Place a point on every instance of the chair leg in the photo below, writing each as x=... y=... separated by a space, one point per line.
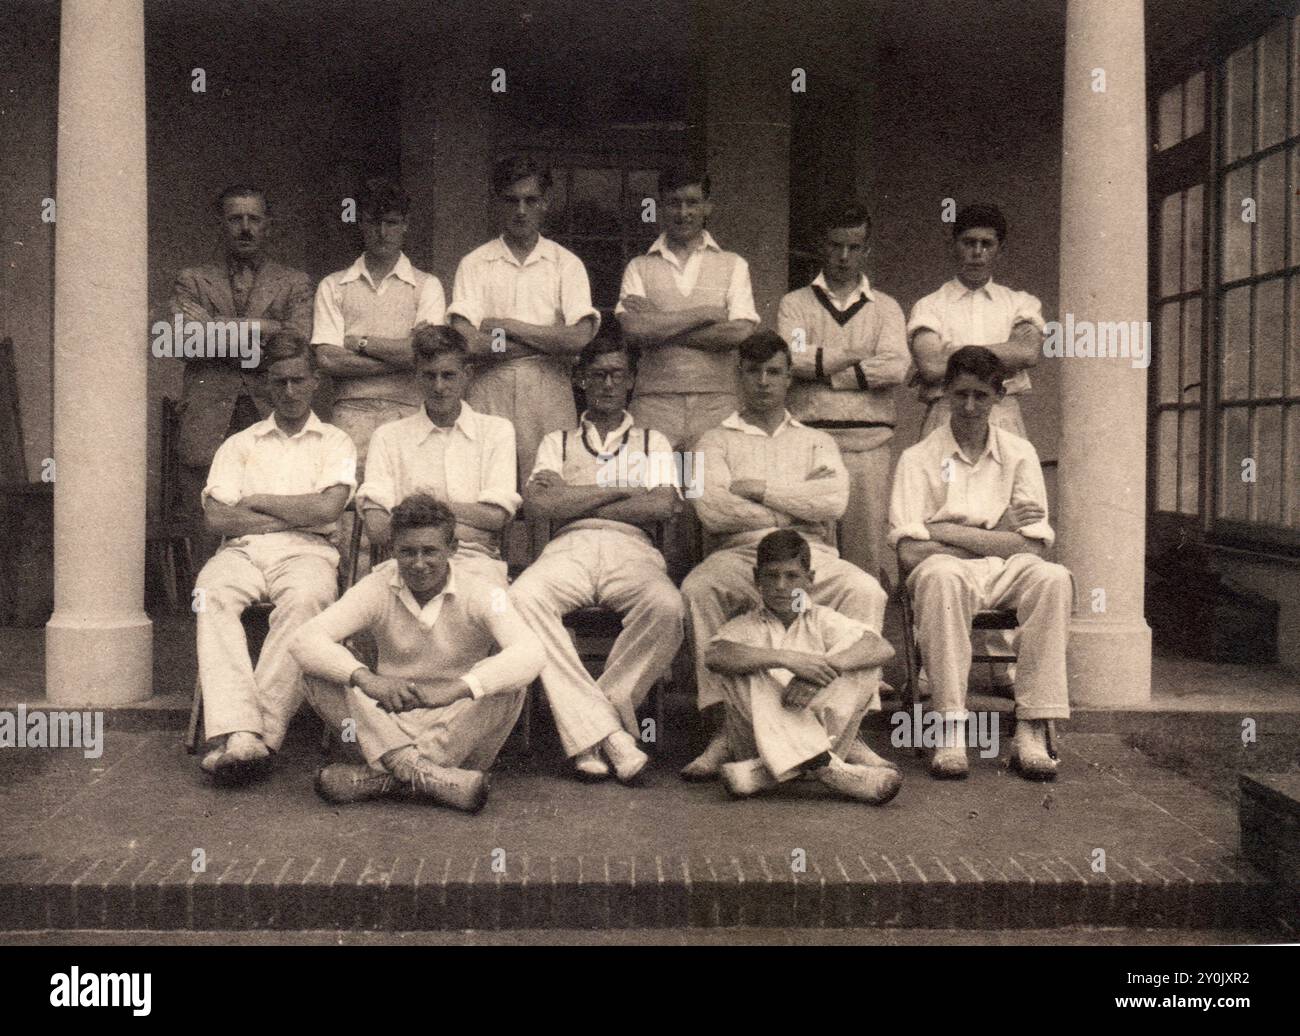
x=527 y=719
x=660 y=691
x=196 y=717
x=911 y=659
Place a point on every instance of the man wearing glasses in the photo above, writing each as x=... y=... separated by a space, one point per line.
x=601 y=485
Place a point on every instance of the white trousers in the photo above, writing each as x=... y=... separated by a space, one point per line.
x=784 y=738
x=864 y=527
x=467 y=733
x=946 y=594
x=722 y=586
x=616 y=570
x=300 y=580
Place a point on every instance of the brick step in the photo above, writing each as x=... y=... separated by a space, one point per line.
x=436 y=893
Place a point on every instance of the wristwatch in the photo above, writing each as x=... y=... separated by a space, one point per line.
x=361 y=345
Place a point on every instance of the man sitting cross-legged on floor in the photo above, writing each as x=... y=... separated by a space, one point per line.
x=275 y=492
x=441 y=705
x=798 y=678
x=448 y=450
x=602 y=482
x=969 y=517
x=762 y=470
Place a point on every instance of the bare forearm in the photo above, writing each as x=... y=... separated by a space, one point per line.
x=565 y=503
x=556 y=340
x=225 y=520
x=985 y=543
x=871 y=651
x=639 y=509
x=717 y=338
x=378 y=524
x=339 y=362
x=396 y=352
x=486 y=517
x=649 y=329
x=912 y=552
x=738 y=659
x=296 y=510
x=1021 y=350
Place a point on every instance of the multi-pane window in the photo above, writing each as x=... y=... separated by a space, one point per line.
x=597 y=214
x=1257 y=352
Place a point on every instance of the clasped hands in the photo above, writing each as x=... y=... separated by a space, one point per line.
x=398 y=694
x=811 y=674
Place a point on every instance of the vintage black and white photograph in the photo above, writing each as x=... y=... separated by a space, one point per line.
x=784 y=473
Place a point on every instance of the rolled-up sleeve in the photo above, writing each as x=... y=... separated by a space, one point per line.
x=498 y=470
x=925 y=317
x=521 y=658
x=467 y=290
x=1028 y=310
x=740 y=294
x=225 y=482
x=327 y=317
x=909 y=501
x=431 y=306
x=380 y=487
x=575 y=292
x=338 y=462
x=633 y=284
x=1029 y=487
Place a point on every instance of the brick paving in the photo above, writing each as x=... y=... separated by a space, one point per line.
x=110 y=843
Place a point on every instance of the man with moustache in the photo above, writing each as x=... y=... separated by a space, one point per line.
x=220 y=396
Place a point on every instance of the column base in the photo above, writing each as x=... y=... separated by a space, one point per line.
x=104 y=663
x=1109 y=664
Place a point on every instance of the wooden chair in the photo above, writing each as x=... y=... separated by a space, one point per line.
x=256 y=620
x=989 y=619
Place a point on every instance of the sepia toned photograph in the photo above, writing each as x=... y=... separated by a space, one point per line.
x=515 y=473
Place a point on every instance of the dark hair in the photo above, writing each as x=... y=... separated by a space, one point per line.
x=981 y=216
x=843 y=214
x=286 y=344
x=978 y=362
x=683 y=174
x=381 y=196
x=509 y=171
x=419 y=511
x=761 y=346
x=430 y=341
x=240 y=190
x=783 y=545
x=609 y=339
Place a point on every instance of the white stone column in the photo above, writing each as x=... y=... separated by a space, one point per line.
x=1103 y=490
x=98 y=644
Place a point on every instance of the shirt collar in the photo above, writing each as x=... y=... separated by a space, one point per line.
x=992 y=448
x=403 y=271
x=661 y=246
x=428 y=614
x=864 y=286
x=544 y=250
x=735 y=421
x=584 y=424
x=464 y=421
x=959 y=290
x=268 y=426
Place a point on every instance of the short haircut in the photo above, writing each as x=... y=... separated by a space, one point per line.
x=980 y=215
x=429 y=341
x=683 y=174
x=380 y=196
x=761 y=346
x=287 y=344
x=978 y=362
x=509 y=171
x=848 y=214
x=783 y=545
x=609 y=339
x=240 y=190
x=419 y=511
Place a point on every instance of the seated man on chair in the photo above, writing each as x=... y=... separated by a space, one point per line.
x=448 y=450
x=969 y=517
x=798 y=678
x=454 y=660
x=601 y=484
x=275 y=492
x=762 y=470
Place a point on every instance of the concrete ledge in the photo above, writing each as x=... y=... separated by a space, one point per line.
x=1023 y=891
x=1270 y=835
